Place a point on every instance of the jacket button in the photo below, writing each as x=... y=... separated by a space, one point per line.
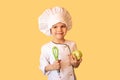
x=70 y=74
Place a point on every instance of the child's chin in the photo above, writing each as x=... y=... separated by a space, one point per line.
x=60 y=37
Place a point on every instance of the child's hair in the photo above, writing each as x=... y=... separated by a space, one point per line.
x=52 y=16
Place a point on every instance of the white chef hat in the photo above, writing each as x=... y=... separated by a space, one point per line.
x=52 y=16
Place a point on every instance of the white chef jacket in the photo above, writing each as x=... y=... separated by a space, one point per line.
x=47 y=57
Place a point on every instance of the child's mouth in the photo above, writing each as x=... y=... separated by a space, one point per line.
x=59 y=33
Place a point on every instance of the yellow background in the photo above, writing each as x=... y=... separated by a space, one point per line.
x=96 y=30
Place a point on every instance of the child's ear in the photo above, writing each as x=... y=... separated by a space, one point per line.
x=50 y=31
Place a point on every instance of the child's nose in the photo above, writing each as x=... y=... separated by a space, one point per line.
x=59 y=29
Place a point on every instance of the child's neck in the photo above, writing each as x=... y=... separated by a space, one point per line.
x=59 y=41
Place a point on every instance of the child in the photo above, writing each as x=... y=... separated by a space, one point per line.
x=56 y=60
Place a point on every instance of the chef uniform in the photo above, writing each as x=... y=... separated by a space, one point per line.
x=47 y=57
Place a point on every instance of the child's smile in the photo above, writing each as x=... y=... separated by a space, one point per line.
x=58 y=31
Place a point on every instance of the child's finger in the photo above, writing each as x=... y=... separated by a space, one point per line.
x=74 y=57
x=59 y=61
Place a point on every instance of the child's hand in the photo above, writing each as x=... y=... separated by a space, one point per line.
x=56 y=65
x=74 y=62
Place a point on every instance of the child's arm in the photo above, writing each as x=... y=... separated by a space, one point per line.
x=74 y=62
x=54 y=66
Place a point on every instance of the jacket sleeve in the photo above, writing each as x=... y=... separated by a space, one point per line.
x=44 y=60
x=74 y=46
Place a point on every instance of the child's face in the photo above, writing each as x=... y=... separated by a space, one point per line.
x=59 y=30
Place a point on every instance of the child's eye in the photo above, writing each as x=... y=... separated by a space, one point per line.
x=63 y=26
x=54 y=27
